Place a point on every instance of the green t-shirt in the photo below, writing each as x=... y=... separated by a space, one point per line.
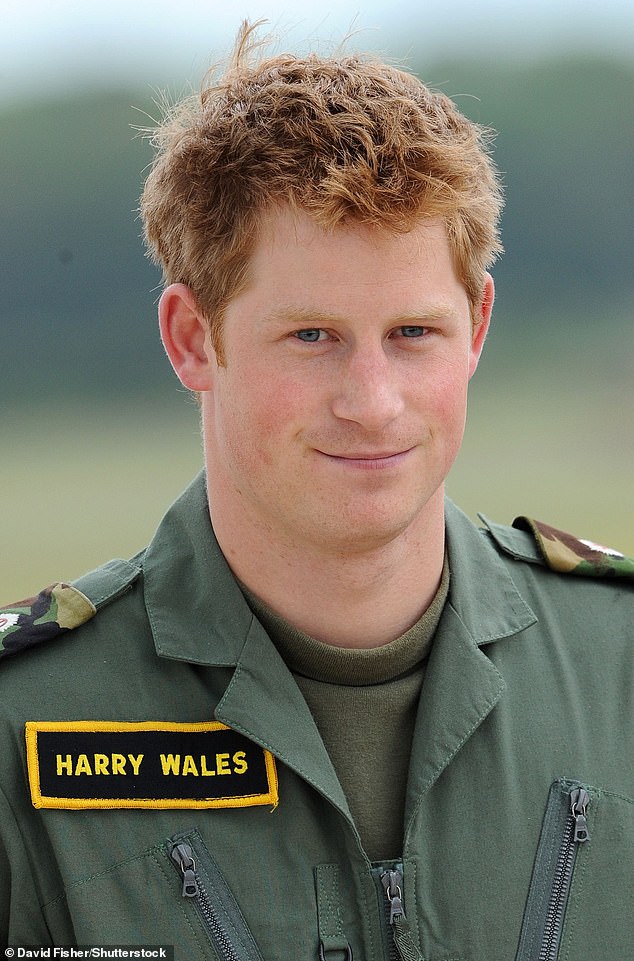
x=364 y=703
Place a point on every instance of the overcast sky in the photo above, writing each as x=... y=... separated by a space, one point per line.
x=49 y=44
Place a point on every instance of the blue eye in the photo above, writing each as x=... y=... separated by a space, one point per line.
x=412 y=331
x=310 y=335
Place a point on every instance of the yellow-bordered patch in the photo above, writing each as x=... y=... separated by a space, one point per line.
x=146 y=764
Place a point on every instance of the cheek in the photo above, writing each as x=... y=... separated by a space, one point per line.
x=258 y=419
x=449 y=395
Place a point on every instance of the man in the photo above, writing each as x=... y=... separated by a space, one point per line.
x=336 y=720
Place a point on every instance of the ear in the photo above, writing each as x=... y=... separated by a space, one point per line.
x=481 y=323
x=185 y=336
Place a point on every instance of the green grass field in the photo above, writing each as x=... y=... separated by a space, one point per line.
x=81 y=485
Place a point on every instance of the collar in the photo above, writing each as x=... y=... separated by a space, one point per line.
x=198 y=612
x=482 y=592
x=196 y=609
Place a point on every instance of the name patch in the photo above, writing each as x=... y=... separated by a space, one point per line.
x=149 y=764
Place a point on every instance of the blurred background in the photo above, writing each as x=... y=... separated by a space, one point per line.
x=97 y=437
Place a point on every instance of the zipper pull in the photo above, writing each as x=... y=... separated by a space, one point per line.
x=579 y=800
x=392 y=881
x=181 y=854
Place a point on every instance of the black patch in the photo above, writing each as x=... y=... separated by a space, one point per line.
x=77 y=764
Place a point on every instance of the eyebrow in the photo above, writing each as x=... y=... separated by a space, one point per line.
x=309 y=318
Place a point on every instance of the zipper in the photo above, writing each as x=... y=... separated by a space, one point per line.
x=564 y=831
x=215 y=904
x=400 y=944
x=575 y=833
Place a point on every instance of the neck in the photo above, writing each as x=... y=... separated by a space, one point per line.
x=360 y=598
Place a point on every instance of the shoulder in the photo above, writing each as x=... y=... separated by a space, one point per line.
x=63 y=607
x=536 y=542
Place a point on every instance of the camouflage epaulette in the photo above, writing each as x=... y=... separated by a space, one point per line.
x=55 y=610
x=538 y=543
x=572 y=555
x=62 y=607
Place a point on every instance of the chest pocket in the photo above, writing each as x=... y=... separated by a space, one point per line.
x=171 y=894
x=580 y=902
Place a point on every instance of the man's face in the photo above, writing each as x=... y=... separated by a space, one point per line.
x=342 y=403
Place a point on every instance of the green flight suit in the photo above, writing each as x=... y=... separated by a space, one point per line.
x=525 y=731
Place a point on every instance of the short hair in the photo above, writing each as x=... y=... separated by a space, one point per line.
x=346 y=139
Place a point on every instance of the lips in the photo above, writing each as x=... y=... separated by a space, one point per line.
x=367 y=455
x=368 y=460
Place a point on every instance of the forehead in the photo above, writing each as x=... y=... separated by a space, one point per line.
x=284 y=231
x=294 y=257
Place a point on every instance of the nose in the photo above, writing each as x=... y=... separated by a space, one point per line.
x=368 y=391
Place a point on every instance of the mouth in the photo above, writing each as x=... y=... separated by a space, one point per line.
x=369 y=460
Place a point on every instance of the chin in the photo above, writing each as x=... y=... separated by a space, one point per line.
x=362 y=535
